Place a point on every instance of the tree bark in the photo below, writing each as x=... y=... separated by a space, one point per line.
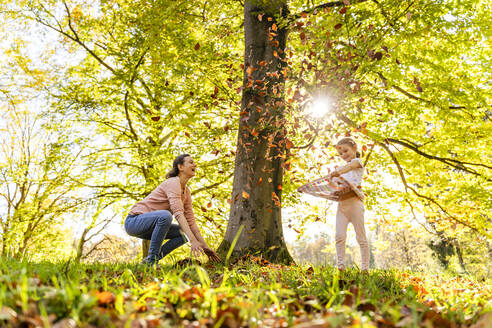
x=261 y=145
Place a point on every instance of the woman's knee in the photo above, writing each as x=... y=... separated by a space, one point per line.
x=164 y=218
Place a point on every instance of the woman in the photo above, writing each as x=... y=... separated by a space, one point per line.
x=152 y=217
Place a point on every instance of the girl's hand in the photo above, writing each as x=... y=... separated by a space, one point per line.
x=334 y=174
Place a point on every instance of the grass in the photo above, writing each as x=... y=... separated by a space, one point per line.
x=250 y=292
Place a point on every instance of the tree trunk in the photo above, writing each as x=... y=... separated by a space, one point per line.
x=80 y=246
x=145 y=248
x=460 y=255
x=261 y=145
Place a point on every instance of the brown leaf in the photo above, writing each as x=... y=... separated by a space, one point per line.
x=197 y=46
x=288 y=144
x=245 y=195
x=104 y=298
x=259 y=181
x=338 y=26
x=366 y=307
x=302 y=35
x=346 y=2
x=260 y=17
x=229 y=317
x=155 y=118
x=343 y=10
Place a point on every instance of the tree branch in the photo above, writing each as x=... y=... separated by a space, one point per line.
x=433 y=201
x=322 y=6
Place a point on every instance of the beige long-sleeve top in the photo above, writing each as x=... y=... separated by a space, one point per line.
x=168 y=196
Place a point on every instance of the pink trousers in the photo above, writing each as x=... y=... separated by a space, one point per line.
x=351 y=210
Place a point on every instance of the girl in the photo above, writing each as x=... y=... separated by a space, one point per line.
x=151 y=218
x=350 y=209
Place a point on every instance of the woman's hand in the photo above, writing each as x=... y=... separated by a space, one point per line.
x=212 y=256
x=196 y=249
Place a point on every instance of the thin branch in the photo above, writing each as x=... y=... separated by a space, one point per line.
x=449 y=161
x=322 y=6
x=213 y=185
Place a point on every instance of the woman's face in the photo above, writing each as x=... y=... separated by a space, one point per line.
x=188 y=167
x=346 y=152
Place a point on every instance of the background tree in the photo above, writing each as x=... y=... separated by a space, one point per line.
x=35 y=186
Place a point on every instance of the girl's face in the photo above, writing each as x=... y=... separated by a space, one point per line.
x=188 y=167
x=346 y=152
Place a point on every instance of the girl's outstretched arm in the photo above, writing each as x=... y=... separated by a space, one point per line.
x=354 y=164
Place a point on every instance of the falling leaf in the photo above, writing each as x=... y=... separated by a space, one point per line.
x=245 y=195
x=155 y=118
x=346 y=2
x=343 y=10
x=409 y=15
x=263 y=63
x=302 y=35
x=250 y=70
x=259 y=181
x=187 y=134
x=288 y=144
x=274 y=27
x=338 y=26
x=209 y=204
x=260 y=17
x=203 y=209
x=197 y=46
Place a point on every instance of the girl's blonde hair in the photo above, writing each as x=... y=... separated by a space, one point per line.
x=350 y=142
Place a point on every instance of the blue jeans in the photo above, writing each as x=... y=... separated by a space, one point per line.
x=156 y=226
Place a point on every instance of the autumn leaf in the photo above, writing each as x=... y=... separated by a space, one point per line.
x=105 y=298
x=343 y=10
x=155 y=118
x=274 y=27
x=346 y=2
x=197 y=46
x=338 y=26
x=259 y=181
x=245 y=195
